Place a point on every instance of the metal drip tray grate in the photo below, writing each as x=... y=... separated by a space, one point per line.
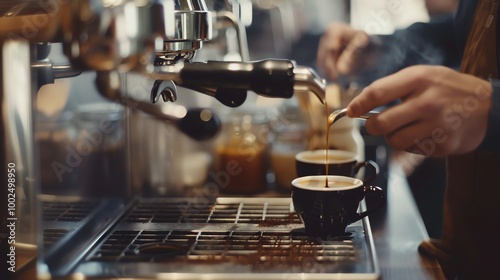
x=243 y=236
x=225 y=210
x=62 y=216
x=52 y=235
x=67 y=211
x=254 y=247
x=72 y=223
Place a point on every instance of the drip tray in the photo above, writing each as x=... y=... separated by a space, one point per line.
x=251 y=237
x=62 y=216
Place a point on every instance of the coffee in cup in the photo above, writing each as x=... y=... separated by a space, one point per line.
x=326 y=211
x=340 y=162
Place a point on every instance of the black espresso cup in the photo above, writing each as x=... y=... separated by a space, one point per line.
x=343 y=163
x=326 y=212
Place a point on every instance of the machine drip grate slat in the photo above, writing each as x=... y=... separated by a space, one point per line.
x=227 y=236
x=263 y=246
x=67 y=211
x=52 y=235
x=220 y=212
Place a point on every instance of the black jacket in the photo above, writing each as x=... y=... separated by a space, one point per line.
x=440 y=41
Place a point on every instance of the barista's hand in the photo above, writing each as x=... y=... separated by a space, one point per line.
x=442 y=112
x=344 y=51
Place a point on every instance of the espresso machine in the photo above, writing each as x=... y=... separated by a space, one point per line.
x=122 y=235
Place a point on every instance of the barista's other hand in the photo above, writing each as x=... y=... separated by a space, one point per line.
x=344 y=51
x=442 y=112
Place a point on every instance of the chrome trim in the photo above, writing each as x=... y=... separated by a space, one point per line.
x=307 y=80
x=340 y=113
x=17 y=149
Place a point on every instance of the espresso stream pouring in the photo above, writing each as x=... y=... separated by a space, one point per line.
x=340 y=113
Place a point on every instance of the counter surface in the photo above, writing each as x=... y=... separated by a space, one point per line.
x=397 y=232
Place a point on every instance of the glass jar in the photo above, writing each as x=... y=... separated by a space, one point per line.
x=289 y=131
x=241 y=154
x=100 y=149
x=56 y=138
x=166 y=161
x=282 y=155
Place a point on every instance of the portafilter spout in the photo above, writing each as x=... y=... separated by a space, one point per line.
x=197 y=123
x=307 y=80
x=192 y=26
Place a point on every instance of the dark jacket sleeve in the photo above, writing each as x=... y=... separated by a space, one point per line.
x=431 y=43
x=491 y=142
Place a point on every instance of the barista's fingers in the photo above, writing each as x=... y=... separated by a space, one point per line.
x=328 y=49
x=415 y=138
x=326 y=59
x=395 y=118
x=381 y=92
x=352 y=56
x=331 y=45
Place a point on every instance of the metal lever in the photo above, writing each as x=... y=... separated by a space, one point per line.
x=229 y=81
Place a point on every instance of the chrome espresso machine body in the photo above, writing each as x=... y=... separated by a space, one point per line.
x=84 y=238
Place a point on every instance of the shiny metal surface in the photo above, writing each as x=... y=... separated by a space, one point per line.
x=307 y=80
x=17 y=154
x=340 y=113
x=47 y=72
x=199 y=124
x=108 y=35
x=225 y=20
x=192 y=26
x=230 y=238
x=166 y=89
x=70 y=226
x=304 y=80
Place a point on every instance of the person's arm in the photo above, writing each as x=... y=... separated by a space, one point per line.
x=491 y=141
x=442 y=111
x=431 y=43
